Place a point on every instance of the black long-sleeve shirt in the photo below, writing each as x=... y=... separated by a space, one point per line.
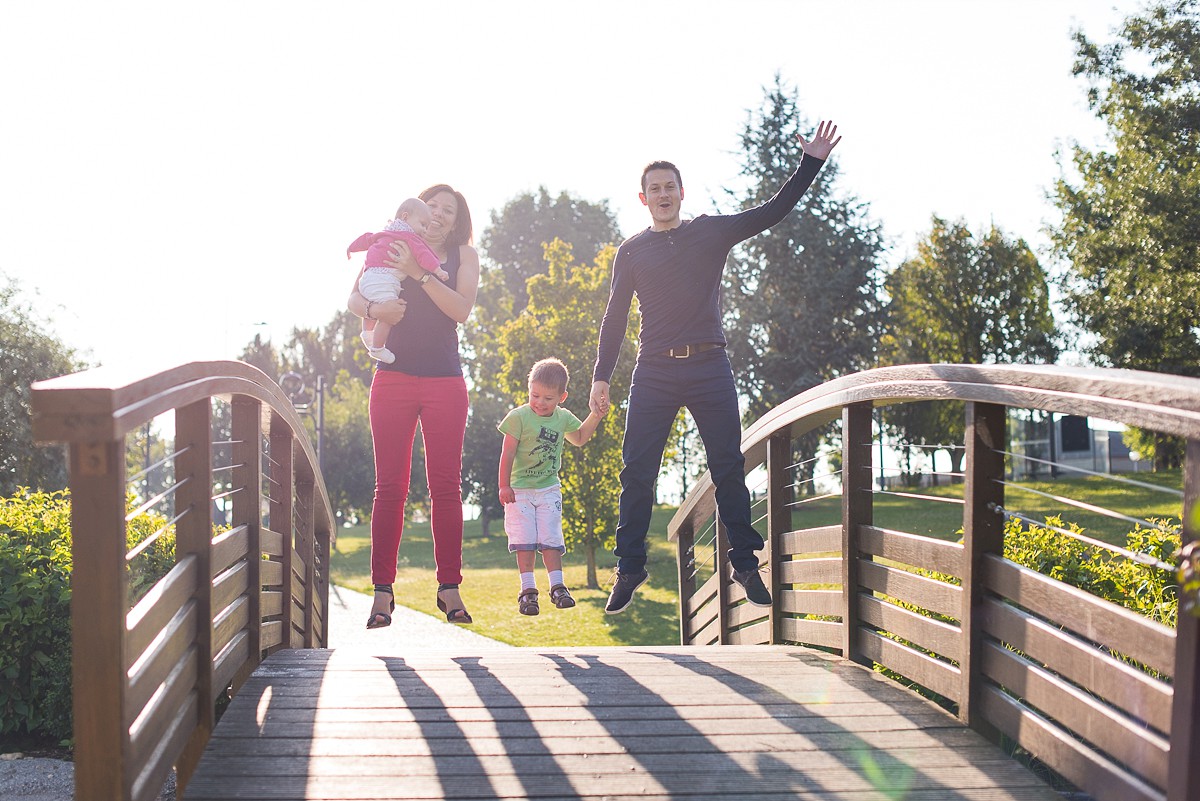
x=676 y=275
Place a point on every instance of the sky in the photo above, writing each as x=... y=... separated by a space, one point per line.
x=175 y=178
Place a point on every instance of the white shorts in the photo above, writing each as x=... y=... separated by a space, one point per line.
x=380 y=284
x=534 y=521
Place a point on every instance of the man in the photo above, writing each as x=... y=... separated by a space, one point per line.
x=674 y=267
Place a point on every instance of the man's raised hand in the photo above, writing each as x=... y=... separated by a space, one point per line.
x=822 y=143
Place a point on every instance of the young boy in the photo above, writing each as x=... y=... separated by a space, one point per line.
x=529 y=487
x=378 y=282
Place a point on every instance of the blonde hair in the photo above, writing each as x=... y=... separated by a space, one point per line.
x=411 y=205
x=550 y=373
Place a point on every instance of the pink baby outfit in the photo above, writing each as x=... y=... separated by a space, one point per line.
x=377 y=246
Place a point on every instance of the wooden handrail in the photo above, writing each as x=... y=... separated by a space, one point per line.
x=146 y=679
x=1013 y=652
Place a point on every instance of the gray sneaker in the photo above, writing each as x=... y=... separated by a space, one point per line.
x=756 y=592
x=622 y=591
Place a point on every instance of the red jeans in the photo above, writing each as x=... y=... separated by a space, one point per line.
x=398 y=401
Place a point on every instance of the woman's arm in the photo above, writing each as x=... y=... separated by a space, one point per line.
x=454 y=303
x=390 y=311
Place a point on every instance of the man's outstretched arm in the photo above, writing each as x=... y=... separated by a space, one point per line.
x=822 y=143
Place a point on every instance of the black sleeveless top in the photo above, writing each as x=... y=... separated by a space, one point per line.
x=426 y=340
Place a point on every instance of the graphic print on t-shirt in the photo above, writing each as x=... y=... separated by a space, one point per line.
x=545 y=449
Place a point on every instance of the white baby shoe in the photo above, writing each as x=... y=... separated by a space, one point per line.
x=381 y=355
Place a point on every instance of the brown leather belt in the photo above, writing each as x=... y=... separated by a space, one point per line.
x=684 y=351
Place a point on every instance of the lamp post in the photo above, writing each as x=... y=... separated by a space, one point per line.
x=293 y=386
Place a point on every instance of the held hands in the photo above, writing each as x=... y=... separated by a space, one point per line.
x=598 y=400
x=822 y=143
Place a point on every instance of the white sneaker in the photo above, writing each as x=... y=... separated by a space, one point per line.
x=381 y=355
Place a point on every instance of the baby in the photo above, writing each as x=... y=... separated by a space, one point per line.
x=379 y=282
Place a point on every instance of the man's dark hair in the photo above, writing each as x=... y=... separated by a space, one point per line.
x=661 y=165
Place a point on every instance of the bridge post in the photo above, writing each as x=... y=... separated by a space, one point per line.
x=983 y=533
x=685 y=544
x=305 y=547
x=103 y=769
x=247 y=511
x=721 y=564
x=1183 y=769
x=857 y=511
x=281 y=511
x=779 y=521
x=193 y=537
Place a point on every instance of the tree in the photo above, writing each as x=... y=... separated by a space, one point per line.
x=1129 y=230
x=516 y=239
x=335 y=353
x=801 y=300
x=514 y=251
x=562 y=319
x=963 y=299
x=28 y=353
x=346 y=453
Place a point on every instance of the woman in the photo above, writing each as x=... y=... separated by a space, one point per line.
x=425 y=383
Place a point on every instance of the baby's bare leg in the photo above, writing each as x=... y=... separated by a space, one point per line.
x=380 y=335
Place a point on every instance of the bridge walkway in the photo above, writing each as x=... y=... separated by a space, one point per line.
x=676 y=722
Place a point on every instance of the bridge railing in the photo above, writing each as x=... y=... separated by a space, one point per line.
x=1106 y=697
x=147 y=676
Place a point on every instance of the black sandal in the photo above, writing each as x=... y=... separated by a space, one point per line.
x=527 y=602
x=561 y=596
x=379 y=620
x=455 y=614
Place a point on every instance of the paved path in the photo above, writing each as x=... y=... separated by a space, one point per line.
x=348 y=612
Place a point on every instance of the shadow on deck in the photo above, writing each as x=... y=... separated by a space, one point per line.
x=614 y=723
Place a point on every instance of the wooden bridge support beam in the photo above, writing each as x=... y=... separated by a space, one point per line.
x=98 y=607
x=1183 y=772
x=779 y=520
x=685 y=561
x=983 y=534
x=857 y=511
x=193 y=537
x=724 y=579
x=281 y=510
x=247 y=511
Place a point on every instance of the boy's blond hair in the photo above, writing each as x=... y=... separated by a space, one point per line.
x=550 y=373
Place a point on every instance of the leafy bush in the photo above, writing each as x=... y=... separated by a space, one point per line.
x=35 y=606
x=1142 y=588
x=35 y=615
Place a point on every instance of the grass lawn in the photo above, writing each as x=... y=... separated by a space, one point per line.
x=943 y=520
x=491 y=583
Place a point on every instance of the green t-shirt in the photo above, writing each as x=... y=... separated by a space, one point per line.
x=539 y=445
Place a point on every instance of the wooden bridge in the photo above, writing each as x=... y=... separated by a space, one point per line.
x=783 y=702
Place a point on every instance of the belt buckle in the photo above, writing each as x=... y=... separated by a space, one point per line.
x=687 y=351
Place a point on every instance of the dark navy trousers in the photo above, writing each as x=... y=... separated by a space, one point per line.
x=661 y=386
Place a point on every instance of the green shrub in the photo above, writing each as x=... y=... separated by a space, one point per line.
x=35 y=615
x=35 y=606
x=1142 y=588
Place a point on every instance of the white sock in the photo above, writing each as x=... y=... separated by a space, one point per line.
x=555 y=578
x=528 y=582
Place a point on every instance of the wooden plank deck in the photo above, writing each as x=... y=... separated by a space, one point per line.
x=746 y=722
